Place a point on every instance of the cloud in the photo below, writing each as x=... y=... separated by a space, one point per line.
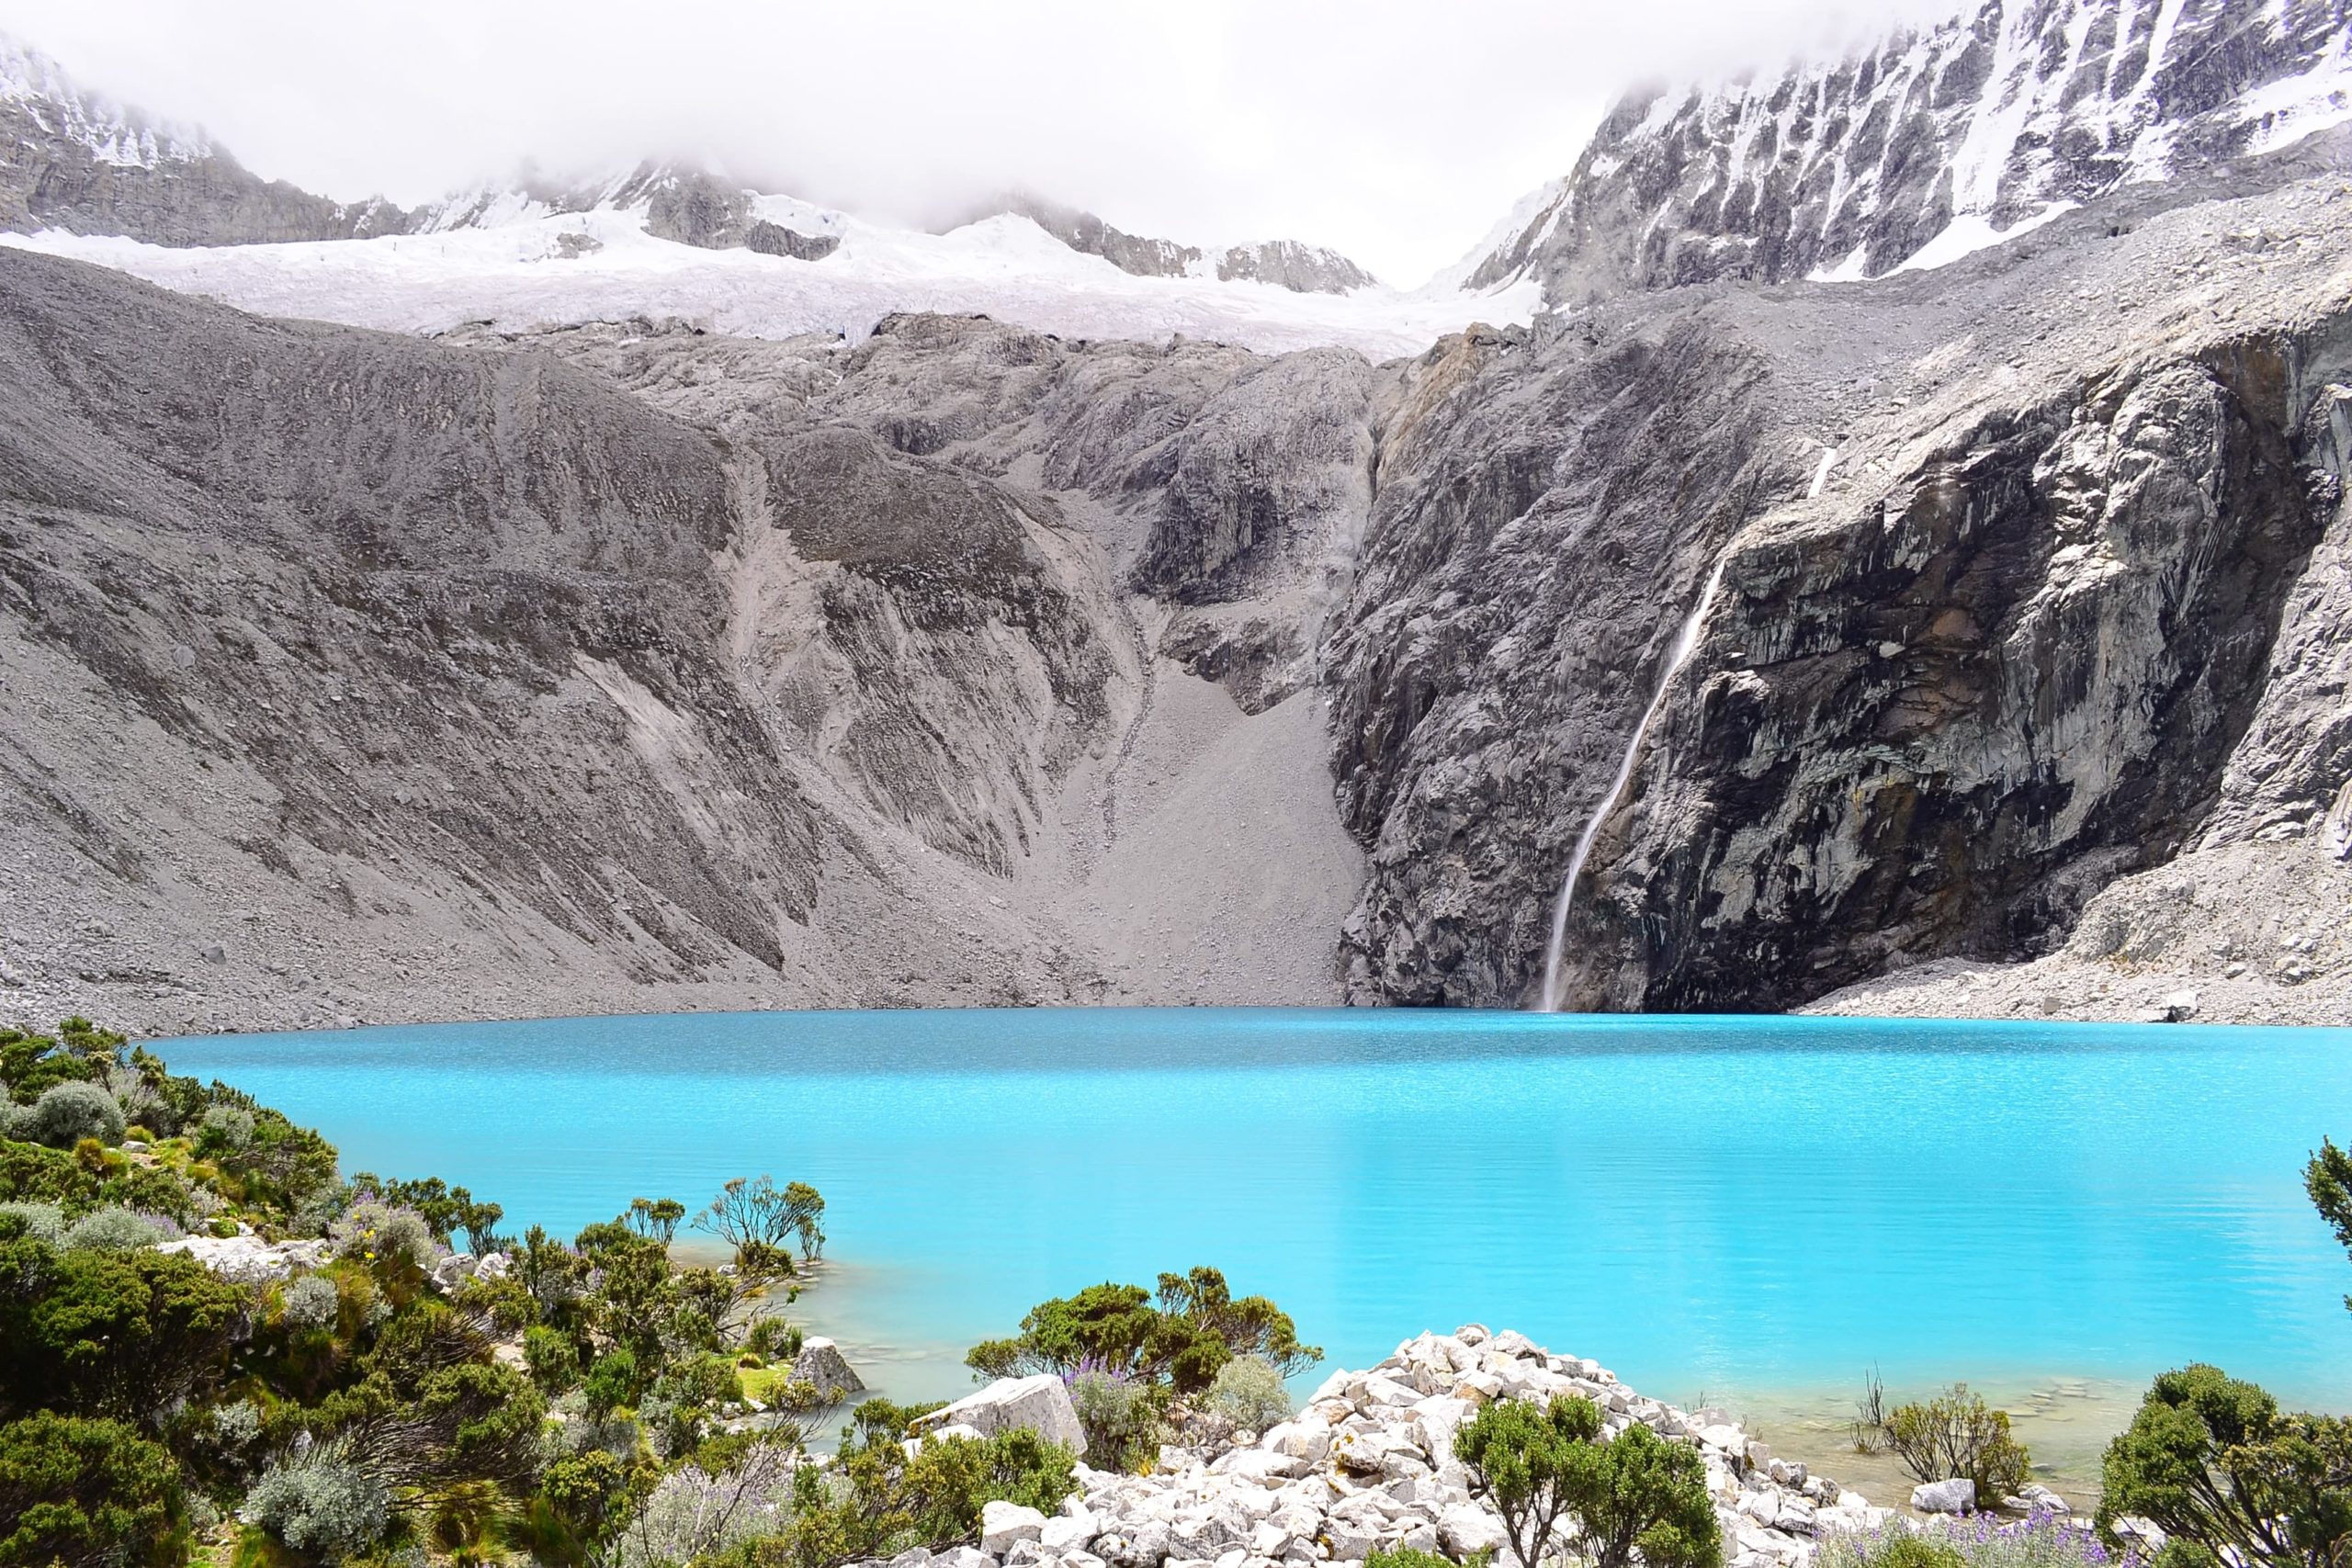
x=1396 y=130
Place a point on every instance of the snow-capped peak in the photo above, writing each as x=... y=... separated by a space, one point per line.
x=1925 y=146
x=42 y=89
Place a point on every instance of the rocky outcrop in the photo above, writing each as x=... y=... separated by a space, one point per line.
x=1041 y=1404
x=1980 y=124
x=1286 y=264
x=73 y=160
x=2021 y=566
x=1368 y=1465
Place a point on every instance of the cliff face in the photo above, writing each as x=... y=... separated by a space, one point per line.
x=1923 y=145
x=2024 y=570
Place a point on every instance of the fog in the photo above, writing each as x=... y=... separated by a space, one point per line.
x=1395 y=131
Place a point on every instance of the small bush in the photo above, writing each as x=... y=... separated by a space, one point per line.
x=1248 y=1394
x=553 y=1360
x=311 y=1302
x=377 y=1232
x=41 y=1222
x=112 y=1229
x=320 y=1504
x=1406 y=1557
x=1120 y=1416
x=68 y=1113
x=1956 y=1434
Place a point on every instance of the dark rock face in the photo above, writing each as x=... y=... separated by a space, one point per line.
x=1856 y=165
x=775 y=240
x=1286 y=264
x=69 y=160
x=692 y=208
x=2024 y=569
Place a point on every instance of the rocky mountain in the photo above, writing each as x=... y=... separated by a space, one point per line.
x=1963 y=639
x=1928 y=146
x=73 y=160
x=1287 y=263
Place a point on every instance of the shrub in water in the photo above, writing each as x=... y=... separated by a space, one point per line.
x=1248 y=1394
x=68 y=1113
x=1956 y=1434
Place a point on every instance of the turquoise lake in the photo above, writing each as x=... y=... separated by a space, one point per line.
x=1711 y=1206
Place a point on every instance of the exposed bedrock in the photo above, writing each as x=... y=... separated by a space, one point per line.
x=2034 y=586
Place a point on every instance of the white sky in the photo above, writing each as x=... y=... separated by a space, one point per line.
x=1395 y=131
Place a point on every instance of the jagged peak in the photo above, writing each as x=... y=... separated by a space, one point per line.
x=115 y=133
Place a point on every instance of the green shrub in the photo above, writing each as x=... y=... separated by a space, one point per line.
x=87 y=1495
x=2214 y=1461
x=553 y=1359
x=68 y=1113
x=321 y=1505
x=1551 y=1478
x=110 y=1230
x=611 y=1382
x=1196 y=1327
x=1121 y=1417
x=1407 y=1557
x=311 y=1302
x=1248 y=1394
x=42 y=1221
x=1899 y=1547
x=1956 y=1434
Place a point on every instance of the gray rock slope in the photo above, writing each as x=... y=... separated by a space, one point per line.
x=348 y=675
x=627 y=667
x=1858 y=165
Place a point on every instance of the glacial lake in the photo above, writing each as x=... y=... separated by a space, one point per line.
x=1751 y=1212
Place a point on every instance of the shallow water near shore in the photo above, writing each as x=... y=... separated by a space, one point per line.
x=1750 y=1211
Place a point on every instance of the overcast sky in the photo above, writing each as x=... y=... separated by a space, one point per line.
x=1396 y=130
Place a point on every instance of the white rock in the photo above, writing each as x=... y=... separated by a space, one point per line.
x=1259 y=1466
x=1466 y=1528
x=1002 y=1524
x=820 y=1363
x=1957 y=1495
x=249 y=1260
x=1041 y=1404
x=1068 y=1532
x=1473 y=1334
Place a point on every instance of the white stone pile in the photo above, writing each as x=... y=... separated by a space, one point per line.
x=1369 y=1464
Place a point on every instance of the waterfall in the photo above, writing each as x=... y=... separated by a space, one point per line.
x=1685 y=642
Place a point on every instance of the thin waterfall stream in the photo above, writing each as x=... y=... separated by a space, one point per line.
x=1685 y=642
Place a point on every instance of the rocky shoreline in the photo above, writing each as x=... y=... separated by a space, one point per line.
x=1368 y=1465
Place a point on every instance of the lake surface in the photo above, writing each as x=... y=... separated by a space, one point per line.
x=1752 y=1208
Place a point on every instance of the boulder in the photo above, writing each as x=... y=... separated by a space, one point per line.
x=1956 y=1495
x=1041 y=1404
x=1004 y=1524
x=821 y=1365
x=248 y=1259
x=1067 y=1533
x=1465 y=1529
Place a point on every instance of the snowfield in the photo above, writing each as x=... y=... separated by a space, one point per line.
x=516 y=276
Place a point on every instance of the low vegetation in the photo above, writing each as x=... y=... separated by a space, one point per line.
x=381 y=1397
x=1559 y=1484
x=1143 y=1366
